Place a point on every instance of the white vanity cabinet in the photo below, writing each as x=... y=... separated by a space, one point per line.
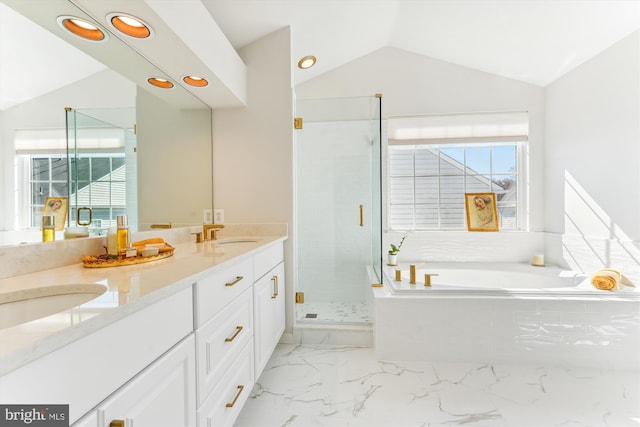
x=90 y=369
x=163 y=395
x=224 y=342
x=268 y=301
x=230 y=338
x=188 y=359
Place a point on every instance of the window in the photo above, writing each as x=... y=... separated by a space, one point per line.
x=427 y=183
x=98 y=181
x=434 y=160
x=48 y=178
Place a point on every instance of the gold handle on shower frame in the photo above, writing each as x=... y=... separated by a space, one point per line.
x=83 y=223
x=361 y=215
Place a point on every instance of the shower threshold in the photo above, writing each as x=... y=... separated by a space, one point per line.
x=334 y=313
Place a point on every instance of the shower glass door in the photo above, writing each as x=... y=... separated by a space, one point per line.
x=338 y=211
x=102 y=168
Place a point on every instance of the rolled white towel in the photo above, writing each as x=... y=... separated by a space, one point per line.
x=606 y=279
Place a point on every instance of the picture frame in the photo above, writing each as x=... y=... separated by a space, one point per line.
x=57 y=206
x=482 y=214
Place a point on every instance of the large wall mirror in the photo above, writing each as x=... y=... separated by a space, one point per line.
x=43 y=71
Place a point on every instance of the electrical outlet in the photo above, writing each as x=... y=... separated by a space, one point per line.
x=207 y=216
x=218 y=216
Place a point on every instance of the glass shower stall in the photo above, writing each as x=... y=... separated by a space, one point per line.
x=338 y=209
x=102 y=165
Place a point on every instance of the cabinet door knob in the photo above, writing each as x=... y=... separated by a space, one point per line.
x=116 y=423
x=233 y=402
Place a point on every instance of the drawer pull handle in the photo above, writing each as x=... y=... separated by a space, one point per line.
x=116 y=423
x=233 y=337
x=275 y=287
x=233 y=402
x=238 y=278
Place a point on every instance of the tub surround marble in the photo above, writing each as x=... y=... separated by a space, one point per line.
x=347 y=386
x=595 y=329
x=130 y=288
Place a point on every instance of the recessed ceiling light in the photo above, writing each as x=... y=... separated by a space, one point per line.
x=82 y=28
x=307 y=62
x=195 y=81
x=159 y=82
x=130 y=25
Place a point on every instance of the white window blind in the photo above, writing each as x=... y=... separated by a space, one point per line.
x=455 y=128
x=30 y=141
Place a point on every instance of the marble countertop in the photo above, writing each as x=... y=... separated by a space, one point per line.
x=130 y=288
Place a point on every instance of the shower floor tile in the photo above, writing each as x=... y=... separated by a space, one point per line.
x=333 y=312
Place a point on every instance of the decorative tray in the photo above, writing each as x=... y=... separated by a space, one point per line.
x=105 y=260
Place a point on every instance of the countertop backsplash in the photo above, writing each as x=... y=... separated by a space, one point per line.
x=33 y=257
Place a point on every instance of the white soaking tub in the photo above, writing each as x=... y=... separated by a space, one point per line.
x=505 y=312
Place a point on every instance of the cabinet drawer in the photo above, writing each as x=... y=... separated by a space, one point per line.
x=267 y=259
x=225 y=402
x=221 y=339
x=213 y=293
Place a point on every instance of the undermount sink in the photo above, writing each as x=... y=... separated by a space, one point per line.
x=25 y=305
x=236 y=240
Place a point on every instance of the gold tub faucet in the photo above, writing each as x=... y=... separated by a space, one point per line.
x=210 y=230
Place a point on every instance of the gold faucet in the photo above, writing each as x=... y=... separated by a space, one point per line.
x=210 y=230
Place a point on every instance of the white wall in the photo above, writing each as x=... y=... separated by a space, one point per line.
x=415 y=84
x=253 y=146
x=106 y=89
x=592 y=180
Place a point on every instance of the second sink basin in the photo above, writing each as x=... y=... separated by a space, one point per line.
x=25 y=305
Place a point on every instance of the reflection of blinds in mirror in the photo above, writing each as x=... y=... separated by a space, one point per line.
x=34 y=141
x=463 y=127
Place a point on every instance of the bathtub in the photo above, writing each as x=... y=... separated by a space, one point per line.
x=495 y=279
x=504 y=312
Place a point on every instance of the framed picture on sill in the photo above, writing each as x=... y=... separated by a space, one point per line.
x=57 y=206
x=482 y=214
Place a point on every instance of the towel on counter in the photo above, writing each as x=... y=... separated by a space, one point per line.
x=606 y=279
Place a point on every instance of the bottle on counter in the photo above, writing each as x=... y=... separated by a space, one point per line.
x=48 y=228
x=122 y=233
x=112 y=241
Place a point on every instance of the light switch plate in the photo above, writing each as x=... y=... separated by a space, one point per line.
x=218 y=216
x=207 y=216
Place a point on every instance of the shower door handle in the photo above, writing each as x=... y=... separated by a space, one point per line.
x=361 y=215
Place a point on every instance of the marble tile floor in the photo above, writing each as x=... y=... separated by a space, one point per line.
x=306 y=385
x=334 y=312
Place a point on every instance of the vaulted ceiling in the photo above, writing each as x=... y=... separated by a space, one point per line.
x=535 y=41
